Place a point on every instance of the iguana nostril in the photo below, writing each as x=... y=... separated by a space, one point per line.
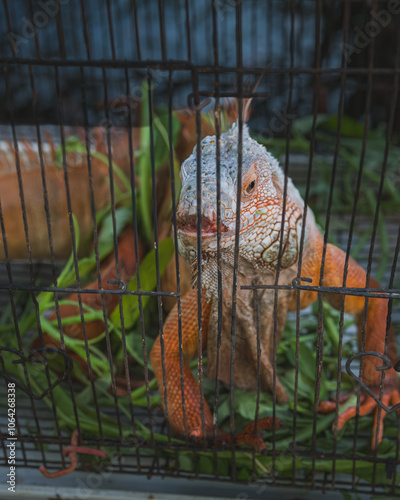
x=188 y=223
x=210 y=214
x=209 y=221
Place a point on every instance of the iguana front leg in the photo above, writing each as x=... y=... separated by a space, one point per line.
x=172 y=366
x=375 y=329
x=193 y=408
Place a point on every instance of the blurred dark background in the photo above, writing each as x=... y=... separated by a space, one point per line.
x=285 y=34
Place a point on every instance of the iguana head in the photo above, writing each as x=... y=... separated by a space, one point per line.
x=261 y=209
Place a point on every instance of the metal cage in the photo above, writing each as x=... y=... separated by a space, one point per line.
x=96 y=86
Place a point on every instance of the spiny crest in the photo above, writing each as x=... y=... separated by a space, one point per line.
x=252 y=152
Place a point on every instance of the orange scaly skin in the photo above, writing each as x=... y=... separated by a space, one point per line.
x=375 y=331
x=260 y=250
x=193 y=411
x=172 y=365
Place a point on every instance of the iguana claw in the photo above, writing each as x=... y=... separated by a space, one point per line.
x=367 y=406
x=249 y=436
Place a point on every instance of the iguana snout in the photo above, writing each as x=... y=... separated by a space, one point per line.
x=208 y=224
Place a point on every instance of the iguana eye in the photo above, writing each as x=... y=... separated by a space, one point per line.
x=250 y=187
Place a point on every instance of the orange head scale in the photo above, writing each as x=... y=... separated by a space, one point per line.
x=261 y=205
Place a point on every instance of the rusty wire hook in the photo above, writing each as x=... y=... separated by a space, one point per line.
x=71 y=452
x=387 y=364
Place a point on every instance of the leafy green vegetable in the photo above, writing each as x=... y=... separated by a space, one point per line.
x=123 y=215
x=148 y=281
x=159 y=133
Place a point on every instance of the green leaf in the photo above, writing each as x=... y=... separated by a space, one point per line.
x=186 y=462
x=148 y=279
x=161 y=136
x=106 y=238
x=307 y=362
x=303 y=126
x=245 y=406
x=206 y=464
x=349 y=126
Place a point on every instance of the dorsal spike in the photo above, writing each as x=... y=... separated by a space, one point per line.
x=247 y=101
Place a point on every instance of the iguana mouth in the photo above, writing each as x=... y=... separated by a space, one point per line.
x=188 y=225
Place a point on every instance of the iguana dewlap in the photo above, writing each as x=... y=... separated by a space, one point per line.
x=262 y=194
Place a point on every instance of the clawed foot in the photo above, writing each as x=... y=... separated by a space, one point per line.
x=367 y=406
x=248 y=436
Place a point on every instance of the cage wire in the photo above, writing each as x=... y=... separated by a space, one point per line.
x=103 y=101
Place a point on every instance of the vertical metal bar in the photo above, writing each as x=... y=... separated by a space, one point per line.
x=319 y=350
x=188 y=36
x=300 y=17
x=26 y=232
x=268 y=30
x=217 y=114
x=163 y=39
x=121 y=38
x=8 y=19
x=136 y=24
x=85 y=29
x=316 y=86
x=114 y=223
x=155 y=222
x=239 y=75
x=136 y=239
x=156 y=246
x=218 y=207
x=48 y=222
x=179 y=31
x=352 y=222
x=225 y=34
x=149 y=47
x=195 y=81
x=175 y=235
x=60 y=34
x=284 y=200
x=253 y=33
x=110 y=29
x=136 y=251
x=194 y=15
x=346 y=26
x=74 y=246
x=257 y=311
x=38 y=52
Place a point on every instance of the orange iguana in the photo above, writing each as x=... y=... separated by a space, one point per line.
x=261 y=210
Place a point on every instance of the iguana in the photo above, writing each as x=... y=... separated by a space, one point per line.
x=261 y=210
